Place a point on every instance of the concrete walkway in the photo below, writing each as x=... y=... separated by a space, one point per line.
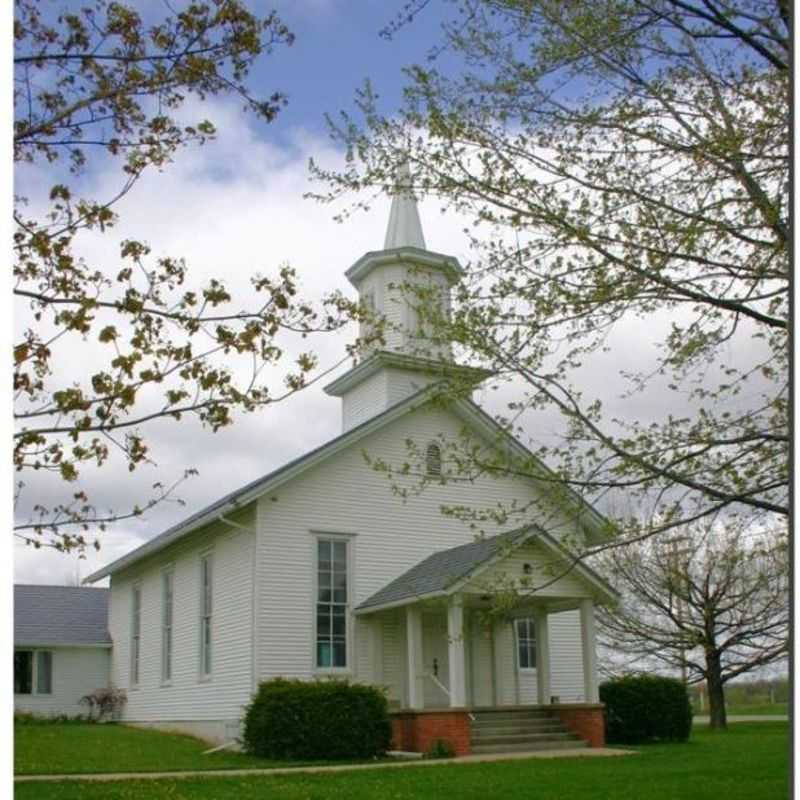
x=747 y=718
x=598 y=752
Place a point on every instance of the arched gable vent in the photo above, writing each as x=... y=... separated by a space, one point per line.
x=433 y=460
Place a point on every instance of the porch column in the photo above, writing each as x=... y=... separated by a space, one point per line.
x=542 y=656
x=416 y=696
x=377 y=650
x=455 y=652
x=589 y=642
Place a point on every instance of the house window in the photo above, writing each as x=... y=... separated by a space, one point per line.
x=205 y=615
x=33 y=672
x=526 y=643
x=433 y=461
x=331 y=603
x=136 y=634
x=167 y=583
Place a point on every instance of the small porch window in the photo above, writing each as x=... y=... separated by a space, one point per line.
x=526 y=643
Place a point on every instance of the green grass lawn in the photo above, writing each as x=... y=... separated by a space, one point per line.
x=47 y=749
x=744 y=762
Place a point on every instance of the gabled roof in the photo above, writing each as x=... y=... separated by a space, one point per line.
x=446 y=571
x=593 y=523
x=60 y=615
x=440 y=571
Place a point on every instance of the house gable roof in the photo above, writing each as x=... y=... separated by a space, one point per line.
x=60 y=615
x=447 y=571
x=593 y=523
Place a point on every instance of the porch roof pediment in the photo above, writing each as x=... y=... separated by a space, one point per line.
x=447 y=571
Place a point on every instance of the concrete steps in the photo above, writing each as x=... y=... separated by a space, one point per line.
x=505 y=731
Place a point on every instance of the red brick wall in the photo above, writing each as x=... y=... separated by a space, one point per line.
x=586 y=721
x=416 y=732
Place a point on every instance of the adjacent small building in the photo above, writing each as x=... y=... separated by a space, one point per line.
x=62 y=647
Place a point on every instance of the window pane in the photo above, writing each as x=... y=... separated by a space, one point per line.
x=44 y=672
x=135 y=660
x=339 y=654
x=23 y=672
x=340 y=587
x=523 y=656
x=324 y=554
x=206 y=655
x=323 y=654
x=338 y=622
x=323 y=621
x=340 y=554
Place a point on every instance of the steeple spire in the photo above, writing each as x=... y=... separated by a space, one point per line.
x=405 y=228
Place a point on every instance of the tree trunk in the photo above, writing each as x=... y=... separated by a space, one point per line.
x=716 y=692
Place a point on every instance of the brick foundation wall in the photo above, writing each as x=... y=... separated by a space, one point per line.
x=416 y=731
x=585 y=720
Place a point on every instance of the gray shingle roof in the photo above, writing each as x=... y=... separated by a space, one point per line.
x=60 y=615
x=441 y=570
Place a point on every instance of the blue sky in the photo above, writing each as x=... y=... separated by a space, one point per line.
x=337 y=47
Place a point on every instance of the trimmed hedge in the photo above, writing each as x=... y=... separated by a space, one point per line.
x=643 y=708
x=323 y=719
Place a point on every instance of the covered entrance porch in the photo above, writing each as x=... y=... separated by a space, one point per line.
x=498 y=636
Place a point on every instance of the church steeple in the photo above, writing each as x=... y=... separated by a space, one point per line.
x=405 y=228
x=386 y=280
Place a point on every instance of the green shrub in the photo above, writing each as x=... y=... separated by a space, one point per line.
x=642 y=708
x=324 y=719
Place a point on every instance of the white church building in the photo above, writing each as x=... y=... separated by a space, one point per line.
x=320 y=570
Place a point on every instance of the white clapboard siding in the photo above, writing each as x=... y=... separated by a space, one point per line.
x=548 y=577
x=77 y=671
x=364 y=401
x=393 y=655
x=401 y=383
x=388 y=536
x=566 y=656
x=188 y=697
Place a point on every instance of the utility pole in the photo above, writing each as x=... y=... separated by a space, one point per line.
x=675 y=554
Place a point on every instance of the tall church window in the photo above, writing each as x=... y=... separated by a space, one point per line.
x=332 y=588
x=136 y=633
x=167 y=595
x=206 y=607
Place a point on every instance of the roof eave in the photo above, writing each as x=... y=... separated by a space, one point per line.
x=52 y=644
x=397 y=255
